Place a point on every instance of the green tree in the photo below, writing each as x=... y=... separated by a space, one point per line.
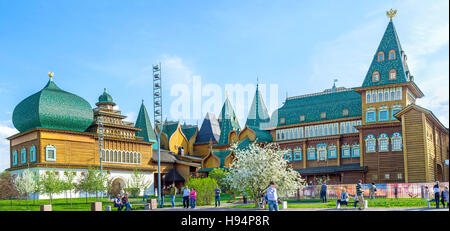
x=69 y=184
x=137 y=183
x=7 y=189
x=220 y=176
x=51 y=184
x=25 y=184
x=204 y=188
x=92 y=182
x=38 y=188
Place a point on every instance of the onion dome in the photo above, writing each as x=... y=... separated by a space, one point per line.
x=105 y=98
x=53 y=108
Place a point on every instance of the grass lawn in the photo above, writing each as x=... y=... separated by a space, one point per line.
x=79 y=204
x=382 y=202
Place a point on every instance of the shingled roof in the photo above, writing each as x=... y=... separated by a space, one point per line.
x=209 y=131
x=189 y=130
x=228 y=122
x=143 y=122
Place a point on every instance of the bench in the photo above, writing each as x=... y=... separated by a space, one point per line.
x=352 y=202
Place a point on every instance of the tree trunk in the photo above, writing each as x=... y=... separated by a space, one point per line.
x=70 y=198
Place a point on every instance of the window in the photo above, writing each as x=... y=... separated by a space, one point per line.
x=375 y=77
x=311 y=153
x=392 y=74
x=368 y=98
x=298 y=154
x=398 y=94
x=392 y=94
x=399 y=176
x=380 y=96
x=355 y=151
x=391 y=54
x=282 y=120
x=386 y=95
x=386 y=176
x=394 y=111
x=332 y=152
x=323 y=115
x=370 y=143
x=370 y=116
x=345 y=112
x=322 y=151
x=50 y=153
x=380 y=56
x=288 y=155
x=302 y=118
x=23 y=155
x=33 y=153
x=345 y=151
x=14 y=157
x=374 y=177
x=396 y=141
x=383 y=115
x=383 y=143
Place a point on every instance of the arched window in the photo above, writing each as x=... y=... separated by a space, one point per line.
x=23 y=156
x=383 y=143
x=392 y=74
x=127 y=154
x=139 y=157
x=345 y=151
x=288 y=155
x=356 y=151
x=380 y=56
x=396 y=141
x=391 y=54
x=107 y=156
x=50 y=153
x=14 y=157
x=380 y=96
x=33 y=153
x=311 y=153
x=370 y=143
x=376 y=77
x=122 y=154
x=368 y=98
x=332 y=152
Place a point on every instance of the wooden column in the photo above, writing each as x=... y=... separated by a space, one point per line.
x=427 y=167
x=405 y=155
x=304 y=152
x=338 y=150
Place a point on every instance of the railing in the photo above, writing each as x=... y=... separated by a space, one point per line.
x=406 y=190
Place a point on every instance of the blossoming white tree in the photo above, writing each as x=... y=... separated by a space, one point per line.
x=25 y=183
x=256 y=166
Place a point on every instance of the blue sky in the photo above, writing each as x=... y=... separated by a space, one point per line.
x=299 y=45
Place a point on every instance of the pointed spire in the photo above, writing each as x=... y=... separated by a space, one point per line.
x=143 y=122
x=258 y=114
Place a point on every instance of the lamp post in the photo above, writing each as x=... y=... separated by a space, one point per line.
x=157 y=115
x=100 y=147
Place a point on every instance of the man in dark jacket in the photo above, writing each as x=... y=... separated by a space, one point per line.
x=436 y=190
x=323 y=193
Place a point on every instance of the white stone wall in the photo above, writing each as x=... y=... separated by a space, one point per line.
x=124 y=175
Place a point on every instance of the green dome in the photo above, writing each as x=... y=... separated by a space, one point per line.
x=53 y=108
x=105 y=98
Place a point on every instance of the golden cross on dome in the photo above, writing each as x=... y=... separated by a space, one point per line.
x=50 y=74
x=391 y=13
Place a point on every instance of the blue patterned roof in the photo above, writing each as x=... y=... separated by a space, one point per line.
x=210 y=130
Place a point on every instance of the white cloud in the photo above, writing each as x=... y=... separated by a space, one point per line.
x=6 y=130
x=131 y=116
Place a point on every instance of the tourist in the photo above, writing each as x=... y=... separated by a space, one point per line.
x=427 y=196
x=444 y=196
x=272 y=197
x=163 y=191
x=217 y=195
x=118 y=203
x=145 y=197
x=323 y=193
x=436 y=190
x=344 y=198
x=173 y=193
x=193 y=196
x=126 y=203
x=359 y=194
x=372 y=191
x=244 y=197
x=186 y=193
x=395 y=191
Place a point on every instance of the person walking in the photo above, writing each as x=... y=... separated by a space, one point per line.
x=359 y=194
x=217 y=192
x=272 y=197
x=323 y=193
x=427 y=195
x=193 y=196
x=436 y=190
x=163 y=192
x=372 y=190
x=173 y=193
x=186 y=193
x=444 y=197
x=395 y=192
x=118 y=203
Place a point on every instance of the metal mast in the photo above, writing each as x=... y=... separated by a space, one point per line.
x=157 y=116
x=100 y=145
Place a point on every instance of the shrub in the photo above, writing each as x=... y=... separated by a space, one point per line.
x=204 y=188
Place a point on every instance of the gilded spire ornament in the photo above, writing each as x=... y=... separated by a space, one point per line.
x=50 y=74
x=391 y=13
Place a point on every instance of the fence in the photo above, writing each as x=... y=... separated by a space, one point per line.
x=412 y=190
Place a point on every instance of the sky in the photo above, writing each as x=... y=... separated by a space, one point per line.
x=298 y=46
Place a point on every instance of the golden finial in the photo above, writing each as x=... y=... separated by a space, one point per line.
x=50 y=74
x=226 y=93
x=391 y=13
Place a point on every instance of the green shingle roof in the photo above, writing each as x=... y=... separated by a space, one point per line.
x=189 y=130
x=332 y=103
x=169 y=128
x=53 y=108
x=389 y=42
x=143 y=122
x=258 y=115
x=228 y=122
x=222 y=155
x=105 y=98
